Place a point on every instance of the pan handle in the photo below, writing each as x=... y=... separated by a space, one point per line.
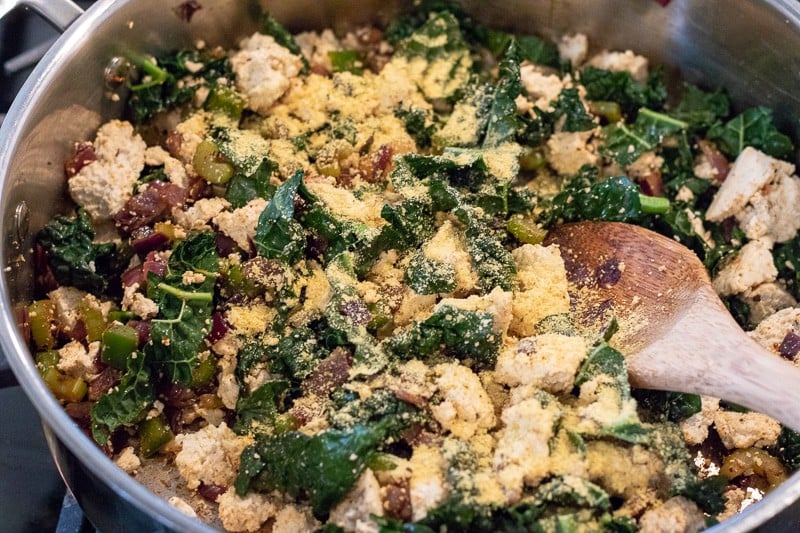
x=60 y=13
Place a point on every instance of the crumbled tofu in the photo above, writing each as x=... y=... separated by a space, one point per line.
x=568 y=151
x=210 y=455
x=240 y=224
x=645 y=165
x=522 y=451
x=745 y=430
x=573 y=48
x=128 y=460
x=427 y=486
x=542 y=88
x=771 y=331
x=246 y=513
x=767 y=299
x=751 y=267
x=191 y=133
x=264 y=70
x=750 y=173
x=497 y=303
x=549 y=361
x=543 y=287
x=695 y=428
x=198 y=216
x=67 y=301
x=354 y=512
x=772 y=211
x=181 y=505
x=293 y=519
x=675 y=514
x=414 y=307
x=77 y=361
x=465 y=408
x=228 y=388
x=103 y=186
x=625 y=61
x=173 y=168
x=137 y=303
x=316 y=47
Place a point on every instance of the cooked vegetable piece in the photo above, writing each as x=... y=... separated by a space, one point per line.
x=154 y=433
x=118 y=345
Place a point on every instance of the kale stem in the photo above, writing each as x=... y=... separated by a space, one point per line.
x=664 y=118
x=653 y=205
x=186 y=296
x=157 y=74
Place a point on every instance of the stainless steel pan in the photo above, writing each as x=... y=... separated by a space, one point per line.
x=751 y=47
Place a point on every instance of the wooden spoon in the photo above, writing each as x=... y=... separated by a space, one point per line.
x=675 y=332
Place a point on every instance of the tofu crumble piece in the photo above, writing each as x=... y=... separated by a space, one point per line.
x=307 y=279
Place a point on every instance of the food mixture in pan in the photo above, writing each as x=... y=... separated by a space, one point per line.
x=307 y=274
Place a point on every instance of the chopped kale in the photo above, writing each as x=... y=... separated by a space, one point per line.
x=707 y=493
x=788 y=448
x=243 y=188
x=502 y=125
x=457 y=332
x=787 y=260
x=700 y=109
x=615 y=199
x=184 y=317
x=347 y=61
x=529 y=47
x=494 y=264
x=74 y=259
x=429 y=276
x=572 y=491
x=126 y=404
x=753 y=127
x=416 y=122
x=625 y=143
x=260 y=407
x=160 y=88
x=667 y=406
x=620 y=87
x=325 y=466
x=278 y=235
x=569 y=106
x=333 y=234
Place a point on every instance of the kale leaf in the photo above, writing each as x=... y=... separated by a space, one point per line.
x=278 y=235
x=416 y=122
x=787 y=260
x=700 y=109
x=603 y=359
x=753 y=127
x=788 y=448
x=293 y=357
x=161 y=88
x=259 y=407
x=615 y=199
x=529 y=47
x=74 y=259
x=243 y=188
x=625 y=143
x=671 y=406
x=502 y=124
x=124 y=405
x=429 y=276
x=707 y=493
x=325 y=466
x=184 y=318
x=620 y=87
x=457 y=332
x=494 y=264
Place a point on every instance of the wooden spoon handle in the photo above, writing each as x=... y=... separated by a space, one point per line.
x=706 y=352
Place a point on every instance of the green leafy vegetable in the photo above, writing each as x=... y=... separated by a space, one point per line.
x=429 y=276
x=74 y=259
x=707 y=493
x=754 y=127
x=456 y=332
x=278 y=235
x=788 y=448
x=494 y=264
x=126 y=404
x=502 y=114
x=325 y=466
x=626 y=143
x=620 y=87
x=259 y=407
x=700 y=109
x=184 y=316
x=242 y=188
x=160 y=88
x=416 y=121
x=671 y=406
x=346 y=61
